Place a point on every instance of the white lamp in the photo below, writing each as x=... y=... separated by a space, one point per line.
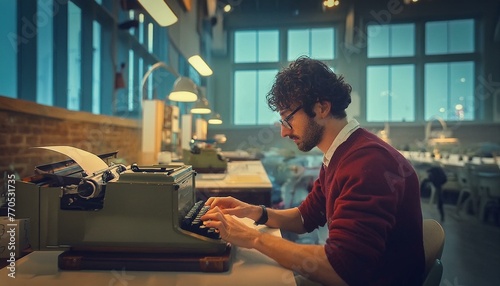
x=201 y=106
x=184 y=89
x=215 y=119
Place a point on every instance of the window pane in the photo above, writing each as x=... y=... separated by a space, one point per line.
x=462 y=36
x=245 y=92
x=322 y=43
x=150 y=37
x=461 y=91
x=96 y=66
x=298 y=43
x=391 y=40
x=436 y=38
x=402 y=40
x=245 y=43
x=130 y=86
x=402 y=95
x=268 y=46
x=449 y=37
x=265 y=81
x=449 y=90
x=378 y=41
x=74 y=56
x=317 y=43
x=391 y=93
x=436 y=90
x=377 y=93
x=45 y=59
x=8 y=56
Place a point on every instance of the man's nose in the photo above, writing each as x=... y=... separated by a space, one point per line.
x=285 y=131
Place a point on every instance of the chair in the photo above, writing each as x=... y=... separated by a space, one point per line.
x=433 y=235
x=488 y=181
x=468 y=182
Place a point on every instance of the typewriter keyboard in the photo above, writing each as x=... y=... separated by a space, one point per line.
x=193 y=223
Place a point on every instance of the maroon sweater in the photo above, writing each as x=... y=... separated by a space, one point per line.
x=369 y=198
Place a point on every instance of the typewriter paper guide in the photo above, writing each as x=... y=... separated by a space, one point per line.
x=89 y=162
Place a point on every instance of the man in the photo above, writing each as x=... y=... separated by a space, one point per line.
x=366 y=192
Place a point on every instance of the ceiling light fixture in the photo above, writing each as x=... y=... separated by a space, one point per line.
x=159 y=10
x=200 y=65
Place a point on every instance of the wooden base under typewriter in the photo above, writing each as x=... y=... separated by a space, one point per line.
x=90 y=260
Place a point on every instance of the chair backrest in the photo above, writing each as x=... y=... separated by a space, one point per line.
x=489 y=183
x=433 y=235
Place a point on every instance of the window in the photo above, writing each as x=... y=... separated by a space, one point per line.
x=449 y=84
x=447 y=87
x=449 y=90
x=256 y=46
x=74 y=56
x=391 y=40
x=449 y=37
x=150 y=37
x=316 y=43
x=390 y=87
x=250 y=89
x=45 y=49
x=8 y=56
x=96 y=66
x=131 y=99
x=390 y=93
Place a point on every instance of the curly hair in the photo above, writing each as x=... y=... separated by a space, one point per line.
x=307 y=81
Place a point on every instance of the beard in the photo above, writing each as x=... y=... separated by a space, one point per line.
x=312 y=136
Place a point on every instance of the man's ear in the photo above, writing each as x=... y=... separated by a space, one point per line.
x=323 y=108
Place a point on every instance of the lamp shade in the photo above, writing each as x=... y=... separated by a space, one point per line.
x=201 y=106
x=215 y=119
x=184 y=90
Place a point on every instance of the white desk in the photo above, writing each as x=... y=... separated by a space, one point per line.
x=249 y=267
x=244 y=180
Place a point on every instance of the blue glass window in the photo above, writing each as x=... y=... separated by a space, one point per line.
x=390 y=93
x=250 y=89
x=256 y=46
x=8 y=56
x=317 y=43
x=396 y=40
x=449 y=90
x=449 y=37
x=74 y=56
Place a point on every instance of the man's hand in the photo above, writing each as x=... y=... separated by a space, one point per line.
x=232 y=206
x=230 y=229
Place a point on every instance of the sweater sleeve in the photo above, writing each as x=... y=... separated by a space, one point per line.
x=313 y=208
x=364 y=213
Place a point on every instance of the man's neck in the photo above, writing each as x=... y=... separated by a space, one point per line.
x=333 y=127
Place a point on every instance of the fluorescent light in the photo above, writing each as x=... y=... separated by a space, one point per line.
x=160 y=11
x=200 y=65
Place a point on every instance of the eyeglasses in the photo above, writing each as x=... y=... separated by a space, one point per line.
x=285 y=122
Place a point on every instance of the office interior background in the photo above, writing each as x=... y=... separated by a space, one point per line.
x=72 y=70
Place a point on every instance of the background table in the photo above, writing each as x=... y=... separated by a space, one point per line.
x=244 y=180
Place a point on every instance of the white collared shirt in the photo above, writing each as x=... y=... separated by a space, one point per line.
x=352 y=126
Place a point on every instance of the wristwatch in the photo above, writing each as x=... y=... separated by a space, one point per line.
x=263 y=218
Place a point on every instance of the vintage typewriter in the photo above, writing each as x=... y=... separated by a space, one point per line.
x=134 y=210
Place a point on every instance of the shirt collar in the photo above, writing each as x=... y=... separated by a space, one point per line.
x=352 y=126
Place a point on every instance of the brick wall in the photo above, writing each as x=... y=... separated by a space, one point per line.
x=24 y=125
